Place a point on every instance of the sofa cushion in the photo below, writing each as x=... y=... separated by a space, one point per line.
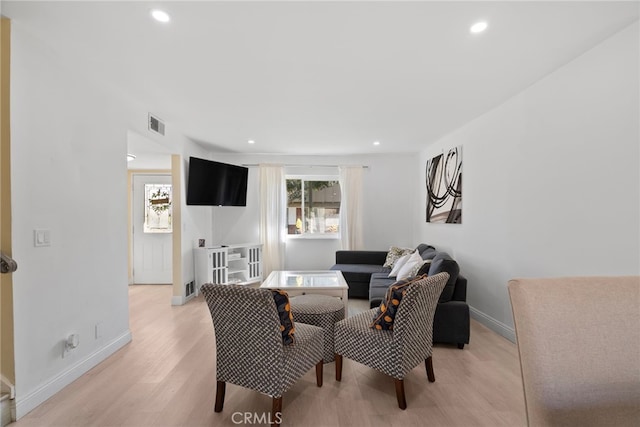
x=443 y=262
x=422 y=268
x=381 y=280
x=359 y=272
x=394 y=254
x=426 y=251
x=378 y=286
x=361 y=257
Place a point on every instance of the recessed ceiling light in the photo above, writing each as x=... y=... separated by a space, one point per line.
x=478 y=27
x=251 y=141
x=376 y=143
x=160 y=15
x=130 y=157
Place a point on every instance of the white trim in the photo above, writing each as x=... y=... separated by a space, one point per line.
x=311 y=236
x=182 y=300
x=312 y=177
x=7 y=411
x=7 y=387
x=29 y=401
x=289 y=165
x=493 y=324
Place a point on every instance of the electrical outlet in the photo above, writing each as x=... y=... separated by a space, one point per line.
x=41 y=238
x=71 y=343
x=98 y=330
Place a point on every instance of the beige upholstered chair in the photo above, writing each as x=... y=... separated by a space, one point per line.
x=579 y=345
x=394 y=352
x=249 y=348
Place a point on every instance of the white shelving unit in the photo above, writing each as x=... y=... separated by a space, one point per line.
x=234 y=264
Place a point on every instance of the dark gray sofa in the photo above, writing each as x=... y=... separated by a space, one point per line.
x=367 y=278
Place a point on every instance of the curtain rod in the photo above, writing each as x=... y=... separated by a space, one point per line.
x=251 y=165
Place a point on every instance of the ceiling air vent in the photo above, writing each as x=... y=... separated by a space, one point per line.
x=155 y=124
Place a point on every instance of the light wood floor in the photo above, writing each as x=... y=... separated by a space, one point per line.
x=166 y=377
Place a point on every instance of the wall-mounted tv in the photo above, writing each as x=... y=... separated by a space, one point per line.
x=216 y=184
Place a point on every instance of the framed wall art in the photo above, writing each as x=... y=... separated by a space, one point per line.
x=444 y=187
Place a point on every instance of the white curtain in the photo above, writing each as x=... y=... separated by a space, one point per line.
x=351 y=207
x=273 y=210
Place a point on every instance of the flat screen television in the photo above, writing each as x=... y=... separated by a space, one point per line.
x=216 y=184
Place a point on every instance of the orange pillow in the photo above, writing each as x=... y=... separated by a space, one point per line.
x=287 y=327
x=386 y=313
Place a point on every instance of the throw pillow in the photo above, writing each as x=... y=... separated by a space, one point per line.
x=398 y=265
x=444 y=263
x=425 y=250
x=408 y=266
x=394 y=254
x=287 y=327
x=386 y=313
x=422 y=269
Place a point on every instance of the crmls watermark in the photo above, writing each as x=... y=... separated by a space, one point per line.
x=256 y=418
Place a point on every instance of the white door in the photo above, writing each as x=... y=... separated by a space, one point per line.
x=152 y=251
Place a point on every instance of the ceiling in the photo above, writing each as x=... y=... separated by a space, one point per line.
x=320 y=77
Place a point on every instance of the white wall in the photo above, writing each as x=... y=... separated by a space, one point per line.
x=196 y=220
x=69 y=175
x=550 y=181
x=390 y=185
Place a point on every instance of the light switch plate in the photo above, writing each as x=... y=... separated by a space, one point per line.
x=41 y=238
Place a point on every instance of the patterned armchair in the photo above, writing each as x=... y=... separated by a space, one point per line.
x=394 y=352
x=249 y=348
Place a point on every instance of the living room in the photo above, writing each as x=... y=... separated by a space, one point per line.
x=539 y=161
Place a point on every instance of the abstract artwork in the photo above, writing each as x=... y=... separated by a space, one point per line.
x=444 y=187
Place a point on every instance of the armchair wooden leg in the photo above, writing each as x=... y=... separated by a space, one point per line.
x=338 y=367
x=402 y=402
x=276 y=411
x=428 y=363
x=220 y=389
x=319 y=366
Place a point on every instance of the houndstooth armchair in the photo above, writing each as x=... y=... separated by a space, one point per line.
x=249 y=348
x=394 y=352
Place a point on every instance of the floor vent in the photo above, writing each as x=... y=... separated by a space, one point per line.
x=189 y=288
x=155 y=124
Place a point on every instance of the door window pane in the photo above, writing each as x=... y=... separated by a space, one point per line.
x=157 y=208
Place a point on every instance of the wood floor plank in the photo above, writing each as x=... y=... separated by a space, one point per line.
x=166 y=377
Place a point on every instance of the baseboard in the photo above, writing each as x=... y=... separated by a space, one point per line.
x=28 y=402
x=180 y=300
x=7 y=401
x=6 y=411
x=493 y=324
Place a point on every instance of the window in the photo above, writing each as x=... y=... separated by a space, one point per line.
x=313 y=206
x=157 y=208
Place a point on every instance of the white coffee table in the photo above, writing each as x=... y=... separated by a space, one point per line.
x=326 y=282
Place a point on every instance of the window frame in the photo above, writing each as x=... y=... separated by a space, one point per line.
x=312 y=177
